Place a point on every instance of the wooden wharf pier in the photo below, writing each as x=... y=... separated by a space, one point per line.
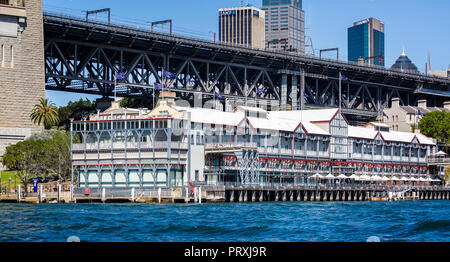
x=229 y=193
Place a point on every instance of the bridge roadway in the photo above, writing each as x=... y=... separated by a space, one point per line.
x=83 y=57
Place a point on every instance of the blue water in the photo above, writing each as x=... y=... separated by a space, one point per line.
x=282 y=221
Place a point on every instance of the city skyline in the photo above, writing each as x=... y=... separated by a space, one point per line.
x=329 y=21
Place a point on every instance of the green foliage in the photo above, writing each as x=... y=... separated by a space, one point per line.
x=76 y=110
x=436 y=124
x=45 y=113
x=136 y=103
x=45 y=156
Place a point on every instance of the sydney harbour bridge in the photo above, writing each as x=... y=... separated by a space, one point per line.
x=87 y=57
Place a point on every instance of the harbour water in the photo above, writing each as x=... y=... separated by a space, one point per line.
x=405 y=221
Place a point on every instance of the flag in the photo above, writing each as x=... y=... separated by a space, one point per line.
x=344 y=78
x=260 y=91
x=159 y=86
x=168 y=74
x=305 y=95
x=384 y=114
x=219 y=96
x=120 y=76
x=420 y=113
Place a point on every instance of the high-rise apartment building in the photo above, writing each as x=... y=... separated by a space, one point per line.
x=366 y=42
x=243 y=26
x=285 y=25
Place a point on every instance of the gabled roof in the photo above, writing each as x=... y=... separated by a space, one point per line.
x=212 y=116
x=287 y=125
x=250 y=109
x=362 y=132
x=424 y=140
x=403 y=137
x=376 y=124
x=314 y=115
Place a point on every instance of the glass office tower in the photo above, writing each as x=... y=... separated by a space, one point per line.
x=366 y=42
x=285 y=25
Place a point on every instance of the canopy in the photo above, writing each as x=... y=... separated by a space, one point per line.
x=329 y=176
x=394 y=178
x=353 y=176
x=342 y=176
x=385 y=178
x=429 y=179
x=422 y=179
x=317 y=175
x=440 y=153
x=414 y=179
x=376 y=178
x=405 y=179
x=363 y=178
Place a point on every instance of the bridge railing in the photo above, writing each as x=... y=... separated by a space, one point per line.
x=173 y=36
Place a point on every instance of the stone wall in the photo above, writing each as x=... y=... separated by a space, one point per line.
x=22 y=76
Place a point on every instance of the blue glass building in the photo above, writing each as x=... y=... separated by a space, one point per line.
x=366 y=42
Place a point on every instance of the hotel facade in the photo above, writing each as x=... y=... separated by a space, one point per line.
x=174 y=146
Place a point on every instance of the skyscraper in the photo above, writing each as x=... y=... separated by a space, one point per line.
x=285 y=25
x=366 y=41
x=242 y=25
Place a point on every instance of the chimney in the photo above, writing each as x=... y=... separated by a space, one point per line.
x=422 y=103
x=395 y=102
x=448 y=72
x=447 y=105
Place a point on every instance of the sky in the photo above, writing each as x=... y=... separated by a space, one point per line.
x=417 y=26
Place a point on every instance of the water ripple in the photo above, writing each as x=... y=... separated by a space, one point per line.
x=281 y=221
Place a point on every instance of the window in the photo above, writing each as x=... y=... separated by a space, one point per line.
x=196 y=175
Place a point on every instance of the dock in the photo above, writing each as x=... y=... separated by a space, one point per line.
x=230 y=193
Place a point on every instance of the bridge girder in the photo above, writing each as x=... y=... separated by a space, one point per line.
x=83 y=57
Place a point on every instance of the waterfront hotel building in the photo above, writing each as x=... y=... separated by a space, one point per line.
x=172 y=145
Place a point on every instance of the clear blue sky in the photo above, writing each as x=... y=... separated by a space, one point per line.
x=416 y=25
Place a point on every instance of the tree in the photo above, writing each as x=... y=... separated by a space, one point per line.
x=136 y=103
x=437 y=125
x=45 y=113
x=26 y=157
x=76 y=110
x=45 y=156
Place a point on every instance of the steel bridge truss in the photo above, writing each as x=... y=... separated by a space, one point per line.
x=91 y=68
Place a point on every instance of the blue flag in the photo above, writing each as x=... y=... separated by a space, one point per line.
x=120 y=76
x=420 y=113
x=168 y=74
x=260 y=91
x=159 y=86
x=344 y=78
x=219 y=96
x=305 y=95
x=384 y=114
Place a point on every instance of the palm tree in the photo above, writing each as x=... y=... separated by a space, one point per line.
x=45 y=113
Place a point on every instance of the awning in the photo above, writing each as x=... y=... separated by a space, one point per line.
x=342 y=176
x=376 y=178
x=317 y=175
x=329 y=176
x=385 y=178
x=354 y=176
x=405 y=179
x=394 y=178
x=363 y=178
